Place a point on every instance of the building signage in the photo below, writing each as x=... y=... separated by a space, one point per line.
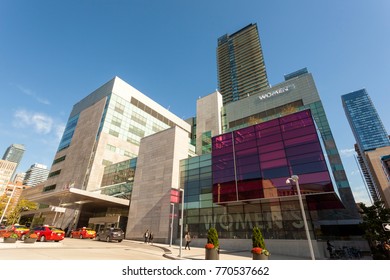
x=277 y=91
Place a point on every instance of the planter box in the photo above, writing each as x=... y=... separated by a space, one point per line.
x=9 y=240
x=29 y=240
x=212 y=254
x=259 y=257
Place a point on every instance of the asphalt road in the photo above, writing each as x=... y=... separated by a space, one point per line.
x=81 y=249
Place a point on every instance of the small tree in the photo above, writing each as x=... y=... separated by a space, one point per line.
x=212 y=237
x=258 y=244
x=257 y=238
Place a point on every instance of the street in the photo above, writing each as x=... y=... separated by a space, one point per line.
x=81 y=249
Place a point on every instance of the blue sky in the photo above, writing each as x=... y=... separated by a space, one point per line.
x=54 y=53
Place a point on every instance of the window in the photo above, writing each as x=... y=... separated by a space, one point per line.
x=54 y=173
x=59 y=160
x=111 y=148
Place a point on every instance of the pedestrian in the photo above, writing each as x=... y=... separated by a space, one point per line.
x=146 y=236
x=151 y=238
x=188 y=241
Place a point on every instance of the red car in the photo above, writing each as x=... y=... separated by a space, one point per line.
x=20 y=230
x=83 y=232
x=47 y=233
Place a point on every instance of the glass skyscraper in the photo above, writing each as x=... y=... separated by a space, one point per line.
x=240 y=62
x=372 y=142
x=364 y=120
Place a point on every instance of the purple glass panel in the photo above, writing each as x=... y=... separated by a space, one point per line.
x=247 y=168
x=306 y=158
x=299 y=131
x=262 y=171
x=246 y=145
x=309 y=167
x=302 y=149
x=246 y=153
x=274 y=163
x=273 y=155
x=222 y=141
x=244 y=135
x=300 y=140
x=269 y=131
x=314 y=177
x=269 y=140
x=267 y=124
x=271 y=147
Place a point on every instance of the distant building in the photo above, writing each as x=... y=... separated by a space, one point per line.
x=7 y=168
x=240 y=63
x=36 y=174
x=373 y=143
x=14 y=153
x=19 y=177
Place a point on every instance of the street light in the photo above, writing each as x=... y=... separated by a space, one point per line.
x=295 y=178
x=181 y=221
x=172 y=217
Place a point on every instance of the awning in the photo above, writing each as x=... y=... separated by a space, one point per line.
x=73 y=198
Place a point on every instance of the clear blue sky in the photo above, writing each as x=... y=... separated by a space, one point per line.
x=54 y=53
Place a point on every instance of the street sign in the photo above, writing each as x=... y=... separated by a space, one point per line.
x=386 y=226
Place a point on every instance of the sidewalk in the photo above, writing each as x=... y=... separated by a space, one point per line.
x=196 y=253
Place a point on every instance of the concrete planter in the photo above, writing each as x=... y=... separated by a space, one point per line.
x=259 y=257
x=9 y=240
x=29 y=240
x=212 y=254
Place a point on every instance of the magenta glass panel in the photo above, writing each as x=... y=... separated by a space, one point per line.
x=271 y=147
x=245 y=145
x=268 y=132
x=301 y=139
x=274 y=163
x=273 y=155
x=270 y=139
x=267 y=124
x=303 y=149
x=298 y=132
x=261 y=171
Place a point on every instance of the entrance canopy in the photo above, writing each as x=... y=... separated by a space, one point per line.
x=74 y=198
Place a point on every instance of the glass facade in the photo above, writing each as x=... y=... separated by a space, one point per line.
x=254 y=162
x=364 y=120
x=243 y=182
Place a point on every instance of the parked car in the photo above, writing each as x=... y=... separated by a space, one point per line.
x=47 y=233
x=83 y=232
x=110 y=234
x=20 y=230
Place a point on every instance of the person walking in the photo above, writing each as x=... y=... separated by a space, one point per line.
x=146 y=236
x=151 y=238
x=188 y=241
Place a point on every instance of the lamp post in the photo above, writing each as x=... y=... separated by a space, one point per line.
x=181 y=221
x=172 y=217
x=295 y=178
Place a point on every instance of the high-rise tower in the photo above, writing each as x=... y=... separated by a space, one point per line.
x=240 y=62
x=372 y=142
x=36 y=174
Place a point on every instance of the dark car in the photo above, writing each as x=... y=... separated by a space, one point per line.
x=110 y=234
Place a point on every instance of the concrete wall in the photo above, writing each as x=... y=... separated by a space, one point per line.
x=208 y=117
x=157 y=172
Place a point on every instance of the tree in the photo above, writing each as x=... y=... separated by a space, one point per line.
x=23 y=205
x=373 y=218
